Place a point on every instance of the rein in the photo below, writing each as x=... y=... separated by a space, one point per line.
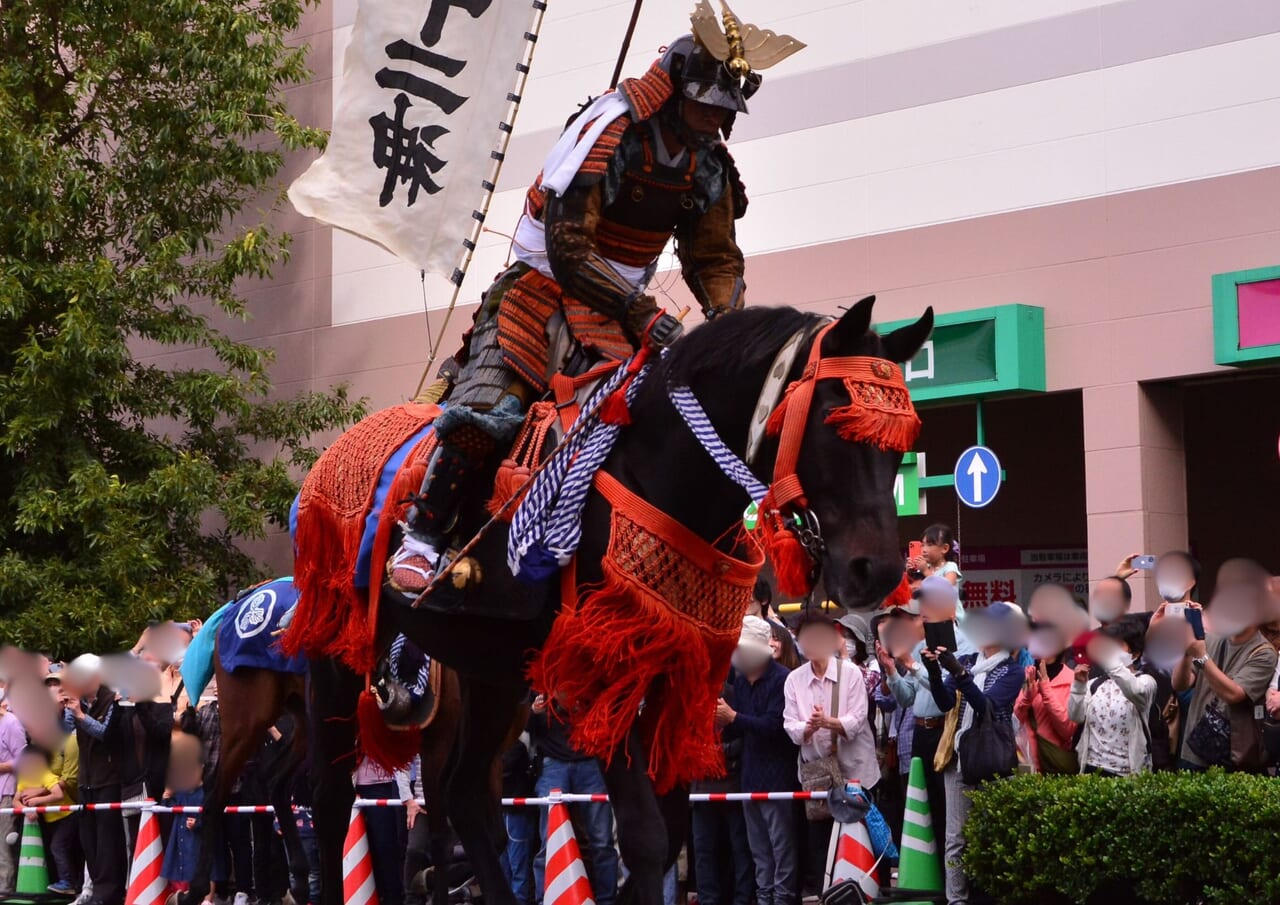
x=880 y=413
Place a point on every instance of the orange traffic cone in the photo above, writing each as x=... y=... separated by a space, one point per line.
x=146 y=886
x=566 y=882
x=357 y=864
x=850 y=857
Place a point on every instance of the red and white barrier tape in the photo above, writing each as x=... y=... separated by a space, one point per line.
x=566 y=798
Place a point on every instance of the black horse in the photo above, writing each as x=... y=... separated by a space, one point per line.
x=849 y=490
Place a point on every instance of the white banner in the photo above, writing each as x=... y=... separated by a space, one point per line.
x=425 y=86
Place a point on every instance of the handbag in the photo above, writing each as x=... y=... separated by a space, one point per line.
x=1055 y=760
x=1228 y=736
x=988 y=749
x=824 y=774
x=946 y=752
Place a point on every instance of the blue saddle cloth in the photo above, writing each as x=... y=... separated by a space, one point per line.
x=247 y=636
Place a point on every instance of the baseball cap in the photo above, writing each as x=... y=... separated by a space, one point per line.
x=756 y=635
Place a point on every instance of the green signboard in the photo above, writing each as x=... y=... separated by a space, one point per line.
x=1246 y=316
x=906 y=486
x=979 y=353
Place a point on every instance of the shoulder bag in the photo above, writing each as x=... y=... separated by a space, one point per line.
x=823 y=774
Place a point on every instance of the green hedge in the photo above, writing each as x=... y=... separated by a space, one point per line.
x=1173 y=838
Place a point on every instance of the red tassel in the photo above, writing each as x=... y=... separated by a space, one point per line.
x=773 y=426
x=619 y=646
x=900 y=596
x=614 y=409
x=792 y=565
x=507 y=483
x=389 y=748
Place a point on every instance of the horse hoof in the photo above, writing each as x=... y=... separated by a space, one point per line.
x=419 y=884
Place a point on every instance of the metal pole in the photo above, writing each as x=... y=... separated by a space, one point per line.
x=489 y=185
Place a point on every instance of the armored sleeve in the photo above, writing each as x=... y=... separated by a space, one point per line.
x=582 y=272
x=710 y=258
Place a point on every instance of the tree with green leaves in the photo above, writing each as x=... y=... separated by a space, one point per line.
x=138 y=139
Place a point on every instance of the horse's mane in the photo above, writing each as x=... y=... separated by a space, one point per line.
x=742 y=342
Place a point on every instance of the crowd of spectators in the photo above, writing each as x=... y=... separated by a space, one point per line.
x=1051 y=685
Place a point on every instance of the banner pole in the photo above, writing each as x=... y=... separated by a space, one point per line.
x=489 y=185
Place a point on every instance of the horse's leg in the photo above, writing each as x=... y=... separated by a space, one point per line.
x=333 y=743
x=487 y=714
x=282 y=785
x=650 y=830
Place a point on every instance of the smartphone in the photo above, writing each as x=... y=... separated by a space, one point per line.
x=1196 y=618
x=915 y=549
x=1078 y=657
x=940 y=634
x=1144 y=562
x=1176 y=610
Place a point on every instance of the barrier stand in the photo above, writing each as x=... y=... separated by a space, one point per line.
x=33 y=873
x=146 y=886
x=850 y=858
x=566 y=875
x=358 y=887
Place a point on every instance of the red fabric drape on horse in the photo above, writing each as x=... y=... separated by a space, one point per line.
x=334 y=616
x=659 y=629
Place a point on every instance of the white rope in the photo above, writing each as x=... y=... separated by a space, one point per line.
x=733 y=467
x=547 y=526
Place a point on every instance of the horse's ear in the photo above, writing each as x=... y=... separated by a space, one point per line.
x=853 y=325
x=903 y=344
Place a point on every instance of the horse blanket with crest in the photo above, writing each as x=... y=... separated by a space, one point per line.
x=247 y=634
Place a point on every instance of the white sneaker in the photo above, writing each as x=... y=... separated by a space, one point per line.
x=242 y=898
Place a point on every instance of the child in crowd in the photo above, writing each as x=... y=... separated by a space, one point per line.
x=39 y=786
x=186 y=789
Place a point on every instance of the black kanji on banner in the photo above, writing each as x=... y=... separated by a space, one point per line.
x=408 y=154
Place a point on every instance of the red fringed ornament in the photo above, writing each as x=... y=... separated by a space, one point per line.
x=389 y=748
x=514 y=472
x=900 y=596
x=509 y=481
x=792 y=565
x=659 y=629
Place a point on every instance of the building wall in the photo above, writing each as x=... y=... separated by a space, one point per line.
x=1098 y=158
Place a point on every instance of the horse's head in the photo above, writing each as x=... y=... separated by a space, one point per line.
x=859 y=423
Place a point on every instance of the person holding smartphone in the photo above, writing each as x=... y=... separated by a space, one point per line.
x=1113 y=710
x=989 y=676
x=1042 y=705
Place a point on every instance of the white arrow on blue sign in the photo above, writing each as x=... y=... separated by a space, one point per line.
x=977 y=476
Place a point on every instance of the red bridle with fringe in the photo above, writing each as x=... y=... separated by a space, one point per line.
x=880 y=413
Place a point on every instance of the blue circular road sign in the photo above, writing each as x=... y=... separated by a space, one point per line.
x=977 y=476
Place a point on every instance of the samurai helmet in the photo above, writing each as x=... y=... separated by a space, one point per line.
x=722 y=67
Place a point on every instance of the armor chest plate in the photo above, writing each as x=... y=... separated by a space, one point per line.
x=650 y=201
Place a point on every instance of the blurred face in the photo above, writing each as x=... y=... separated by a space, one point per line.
x=1238 y=600
x=937 y=607
x=31 y=767
x=1102 y=649
x=988 y=630
x=1054 y=605
x=753 y=608
x=1174 y=578
x=1046 y=643
x=1107 y=602
x=819 y=642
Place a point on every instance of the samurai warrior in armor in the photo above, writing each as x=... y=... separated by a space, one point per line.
x=636 y=167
